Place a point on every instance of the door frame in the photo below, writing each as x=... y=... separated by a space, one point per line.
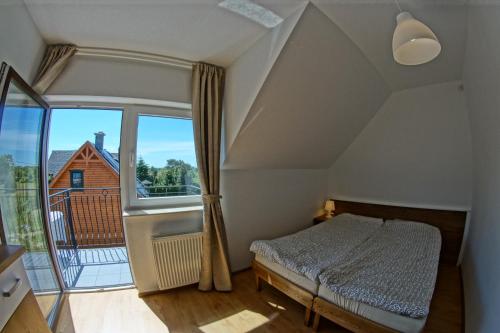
x=10 y=76
x=67 y=102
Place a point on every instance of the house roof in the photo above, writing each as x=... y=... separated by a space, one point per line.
x=106 y=157
x=58 y=158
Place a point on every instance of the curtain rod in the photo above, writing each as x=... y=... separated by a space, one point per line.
x=133 y=55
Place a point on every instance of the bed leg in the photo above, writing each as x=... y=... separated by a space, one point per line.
x=307 y=317
x=258 y=283
x=317 y=317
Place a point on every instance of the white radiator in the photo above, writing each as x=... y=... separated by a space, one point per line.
x=177 y=259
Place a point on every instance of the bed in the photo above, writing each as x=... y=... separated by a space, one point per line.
x=293 y=263
x=310 y=251
x=326 y=284
x=390 y=278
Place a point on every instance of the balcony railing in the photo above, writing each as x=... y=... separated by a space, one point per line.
x=85 y=226
x=169 y=190
x=86 y=217
x=83 y=219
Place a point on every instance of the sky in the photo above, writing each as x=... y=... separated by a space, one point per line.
x=19 y=134
x=159 y=138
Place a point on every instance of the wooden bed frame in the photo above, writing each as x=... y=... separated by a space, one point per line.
x=450 y=223
x=287 y=287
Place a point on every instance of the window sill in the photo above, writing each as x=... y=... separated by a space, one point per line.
x=158 y=211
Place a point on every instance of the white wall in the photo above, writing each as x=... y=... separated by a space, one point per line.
x=481 y=266
x=244 y=78
x=21 y=45
x=264 y=204
x=257 y=204
x=415 y=150
x=87 y=75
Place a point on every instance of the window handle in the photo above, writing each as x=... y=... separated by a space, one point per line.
x=131 y=160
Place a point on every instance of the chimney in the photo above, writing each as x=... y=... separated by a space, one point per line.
x=99 y=140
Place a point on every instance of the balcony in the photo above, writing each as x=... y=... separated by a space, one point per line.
x=87 y=230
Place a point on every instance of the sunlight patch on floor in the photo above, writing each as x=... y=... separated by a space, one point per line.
x=243 y=321
x=116 y=311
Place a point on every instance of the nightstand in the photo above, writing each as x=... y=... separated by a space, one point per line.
x=321 y=218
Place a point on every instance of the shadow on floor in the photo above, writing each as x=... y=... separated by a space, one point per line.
x=243 y=310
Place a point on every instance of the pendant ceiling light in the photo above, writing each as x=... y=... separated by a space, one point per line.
x=413 y=43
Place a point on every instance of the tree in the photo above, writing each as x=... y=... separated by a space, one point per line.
x=142 y=170
x=7 y=167
x=177 y=178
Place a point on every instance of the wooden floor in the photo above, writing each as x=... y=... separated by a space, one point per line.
x=46 y=302
x=243 y=310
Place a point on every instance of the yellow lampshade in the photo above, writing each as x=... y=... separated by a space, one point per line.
x=329 y=205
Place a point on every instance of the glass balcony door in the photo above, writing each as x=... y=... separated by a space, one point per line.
x=22 y=191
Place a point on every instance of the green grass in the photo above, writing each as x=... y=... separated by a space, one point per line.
x=22 y=218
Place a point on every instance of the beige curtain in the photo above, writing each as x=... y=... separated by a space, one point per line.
x=208 y=91
x=53 y=63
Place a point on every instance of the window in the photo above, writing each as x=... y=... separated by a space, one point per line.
x=166 y=163
x=157 y=162
x=162 y=160
x=76 y=179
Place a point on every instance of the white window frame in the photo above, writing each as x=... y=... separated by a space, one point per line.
x=132 y=108
x=130 y=126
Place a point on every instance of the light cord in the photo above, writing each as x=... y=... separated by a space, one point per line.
x=399 y=7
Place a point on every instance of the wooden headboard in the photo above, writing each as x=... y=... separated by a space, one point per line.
x=450 y=223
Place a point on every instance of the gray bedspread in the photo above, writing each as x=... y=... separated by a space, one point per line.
x=395 y=270
x=310 y=251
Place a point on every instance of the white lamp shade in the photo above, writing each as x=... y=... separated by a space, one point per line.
x=413 y=43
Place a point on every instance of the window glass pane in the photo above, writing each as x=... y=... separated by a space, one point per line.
x=166 y=161
x=76 y=179
x=20 y=192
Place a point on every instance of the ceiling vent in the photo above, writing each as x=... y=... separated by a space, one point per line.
x=253 y=11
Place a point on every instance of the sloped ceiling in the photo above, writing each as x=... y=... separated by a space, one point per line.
x=370 y=24
x=319 y=95
x=245 y=77
x=332 y=76
x=302 y=111
x=191 y=29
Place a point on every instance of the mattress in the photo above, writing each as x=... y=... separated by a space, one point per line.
x=394 y=271
x=299 y=280
x=386 y=318
x=310 y=251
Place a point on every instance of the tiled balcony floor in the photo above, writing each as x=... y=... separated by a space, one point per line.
x=81 y=268
x=99 y=275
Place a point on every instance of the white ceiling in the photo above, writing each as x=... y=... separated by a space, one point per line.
x=334 y=72
x=201 y=30
x=370 y=24
x=196 y=30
